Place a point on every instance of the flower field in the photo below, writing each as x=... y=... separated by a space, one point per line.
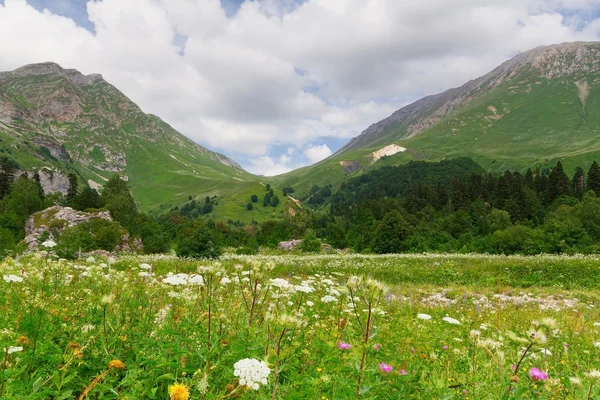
x=301 y=327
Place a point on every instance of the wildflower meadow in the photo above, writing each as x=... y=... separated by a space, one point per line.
x=300 y=327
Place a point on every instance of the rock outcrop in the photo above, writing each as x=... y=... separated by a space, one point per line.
x=55 y=220
x=289 y=245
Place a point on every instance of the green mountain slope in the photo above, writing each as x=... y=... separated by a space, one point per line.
x=539 y=107
x=67 y=122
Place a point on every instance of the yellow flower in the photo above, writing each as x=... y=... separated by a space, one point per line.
x=116 y=364
x=179 y=391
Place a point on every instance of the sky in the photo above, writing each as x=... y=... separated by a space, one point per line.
x=279 y=84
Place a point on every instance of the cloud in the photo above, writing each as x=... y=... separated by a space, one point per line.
x=266 y=166
x=287 y=74
x=317 y=153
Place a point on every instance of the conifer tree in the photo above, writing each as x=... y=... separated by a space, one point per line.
x=593 y=179
x=558 y=184
x=579 y=182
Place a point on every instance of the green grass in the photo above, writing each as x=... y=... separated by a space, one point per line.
x=121 y=331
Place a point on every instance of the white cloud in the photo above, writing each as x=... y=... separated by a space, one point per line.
x=317 y=153
x=266 y=166
x=279 y=74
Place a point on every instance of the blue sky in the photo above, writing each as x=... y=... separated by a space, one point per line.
x=279 y=84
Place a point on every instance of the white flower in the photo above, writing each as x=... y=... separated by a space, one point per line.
x=12 y=278
x=575 y=381
x=424 y=316
x=310 y=303
x=48 y=243
x=304 y=288
x=13 y=349
x=87 y=327
x=195 y=280
x=451 y=321
x=280 y=283
x=475 y=333
x=90 y=260
x=545 y=352
x=328 y=299
x=597 y=344
x=145 y=266
x=593 y=374
x=176 y=280
x=251 y=372
x=225 y=280
x=597 y=324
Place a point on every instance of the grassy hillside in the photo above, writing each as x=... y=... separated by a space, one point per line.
x=533 y=110
x=70 y=123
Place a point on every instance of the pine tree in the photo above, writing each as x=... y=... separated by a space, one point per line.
x=38 y=182
x=579 y=182
x=390 y=234
x=73 y=189
x=7 y=175
x=593 y=179
x=559 y=184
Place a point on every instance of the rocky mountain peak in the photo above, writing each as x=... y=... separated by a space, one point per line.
x=51 y=68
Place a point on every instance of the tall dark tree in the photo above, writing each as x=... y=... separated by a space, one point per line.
x=38 y=181
x=559 y=184
x=117 y=199
x=87 y=198
x=460 y=194
x=579 y=182
x=502 y=192
x=593 y=178
x=7 y=175
x=73 y=189
x=390 y=234
x=529 y=179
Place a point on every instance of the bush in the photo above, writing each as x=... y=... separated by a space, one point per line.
x=310 y=243
x=7 y=242
x=199 y=244
x=95 y=234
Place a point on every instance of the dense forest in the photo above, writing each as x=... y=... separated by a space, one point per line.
x=450 y=206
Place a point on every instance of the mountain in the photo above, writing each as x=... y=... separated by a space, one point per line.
x=59 y=121
x=533 y=110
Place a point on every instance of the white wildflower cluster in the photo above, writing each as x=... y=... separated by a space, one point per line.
x=13 y=349
x=251 y=372
x=183 y=279
x=451 y=320
x=12 y=278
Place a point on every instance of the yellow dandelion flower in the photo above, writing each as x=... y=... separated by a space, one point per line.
x=116 y=364
x=179 y=391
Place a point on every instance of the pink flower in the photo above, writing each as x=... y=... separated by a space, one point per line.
x=385 y=367
x=377 y=346
x=402 y=372
x=344 y=346
x=537 y=374
x=445 y=347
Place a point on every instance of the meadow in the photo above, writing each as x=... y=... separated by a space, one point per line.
x=300 y=327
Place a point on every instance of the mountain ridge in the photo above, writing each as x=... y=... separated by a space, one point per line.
x=532 y=110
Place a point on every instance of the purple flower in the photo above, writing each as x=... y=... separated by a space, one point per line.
x=402 y=372
x=445 y=347
x=385 y=367
x=344 y=346
x=465 y=391
x=537 y=374
x=513 y=367
x=566 y=345
x=377 y=346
